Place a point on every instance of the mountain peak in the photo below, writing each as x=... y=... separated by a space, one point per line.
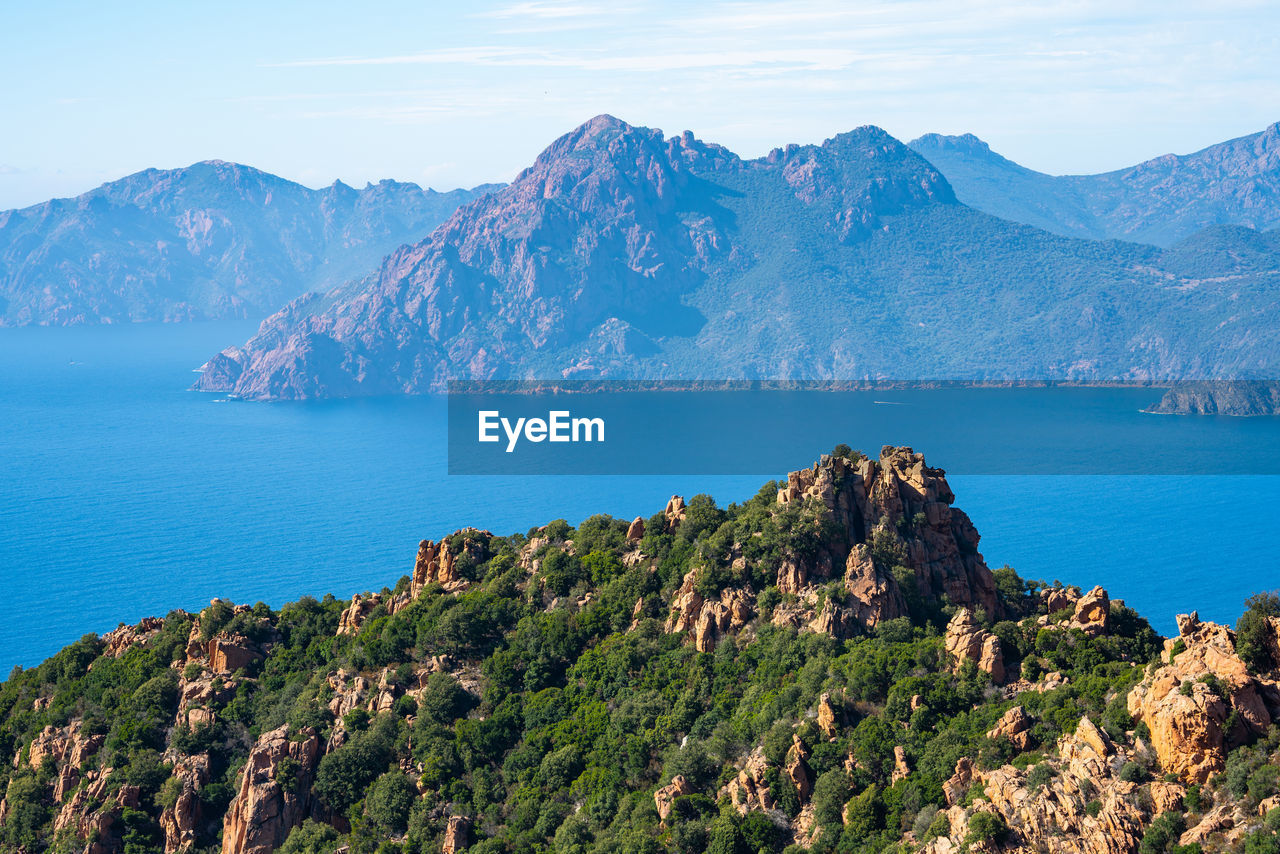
x=965 y=143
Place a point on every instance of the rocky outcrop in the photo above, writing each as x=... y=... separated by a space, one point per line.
x=665 y=797
x=1188 y=700
x=828 y=717
x=437 y=563
x=229 y=653
x=635 y=531
x=706 y=621
x=1222 y=397
x=65 y=746
x=901 y=770
x=955 y=786
x=967 y=640
x=1015 y=725
x=117 y=642
x=674 y=513
x=181 y=822
x=1056 y=816
x=749 y=790
x=267 y=807
x=92 y=813
x=798 y=770
x=455 y=835
x=875 y=595
x=1093 y=613
x=898 y=499
x=360 y=609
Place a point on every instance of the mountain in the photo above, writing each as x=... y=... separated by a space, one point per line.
x=213 y=240
x=621 y=254
x=1159 y=201
x=830 y=666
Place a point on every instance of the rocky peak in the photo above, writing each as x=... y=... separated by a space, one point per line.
x=861 y=176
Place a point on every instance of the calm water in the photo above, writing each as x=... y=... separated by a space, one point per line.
x=123 y=495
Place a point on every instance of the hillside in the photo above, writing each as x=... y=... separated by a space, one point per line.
x=830 y=666
x=1159 y=201
x=213 y=240
x=620 y=254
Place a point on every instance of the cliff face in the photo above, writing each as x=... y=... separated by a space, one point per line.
x=620 y=254
x=213 y=240
x=830 y=664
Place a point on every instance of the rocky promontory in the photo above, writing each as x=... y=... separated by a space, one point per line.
x=1225 y=397
x=829 y=666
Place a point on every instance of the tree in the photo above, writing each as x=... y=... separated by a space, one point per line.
x=389 y=800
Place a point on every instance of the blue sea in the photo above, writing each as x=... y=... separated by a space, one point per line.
x=123 y=494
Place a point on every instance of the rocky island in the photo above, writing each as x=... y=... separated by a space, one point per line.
x=1226 y=397
x=829 y=666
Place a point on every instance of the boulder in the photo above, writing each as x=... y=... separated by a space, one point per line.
x=1015 y=725
x=665 y=797
x=635 y=531
x=1093 y=613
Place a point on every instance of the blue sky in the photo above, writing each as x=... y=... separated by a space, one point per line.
x=449 y=94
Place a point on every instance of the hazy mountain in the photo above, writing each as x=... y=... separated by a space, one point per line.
x=621 y=254
x=213 y=240
x=1159 y=201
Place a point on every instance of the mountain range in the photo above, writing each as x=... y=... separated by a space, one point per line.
x=623 y=254
x=1160 y=201
x=213 y=240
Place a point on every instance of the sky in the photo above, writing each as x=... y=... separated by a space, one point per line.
x=455 y=94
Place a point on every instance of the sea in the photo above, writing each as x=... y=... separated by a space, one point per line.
x=124 y=494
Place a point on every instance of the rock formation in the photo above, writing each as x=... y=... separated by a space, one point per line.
x=798 y=770
x=181 y=822
x=1015 y=725
x=1187 y=711
x=455 y=835
x=749 y=790
x=674 y=513
x=635 y=531
x=229 y=653
x=437 y=563
x=909 y=503
x=1056 y=817
x=665 y=797
x=707 y=620
x=266 y=807
x=967 y=640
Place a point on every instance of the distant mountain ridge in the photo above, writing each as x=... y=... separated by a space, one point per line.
x=621 y=254
x=1160 y=201
x=212 y=240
